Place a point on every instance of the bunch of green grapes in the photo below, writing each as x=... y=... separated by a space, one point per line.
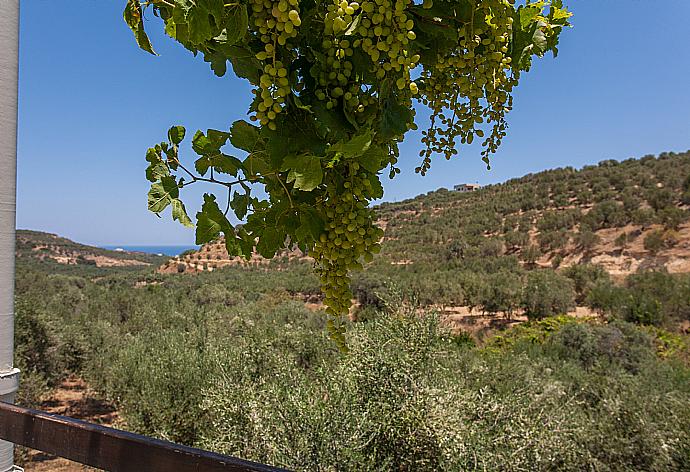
x=386 y=32
x=472 y=85
x=382 y=30
x=336 y=79
x=350 y=235
x=276 y=23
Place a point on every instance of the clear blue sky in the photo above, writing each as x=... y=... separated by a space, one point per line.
x=91 y=103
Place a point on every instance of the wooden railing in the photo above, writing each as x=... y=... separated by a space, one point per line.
x=108 y=448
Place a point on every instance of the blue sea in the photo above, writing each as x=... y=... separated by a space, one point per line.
x=164 y=250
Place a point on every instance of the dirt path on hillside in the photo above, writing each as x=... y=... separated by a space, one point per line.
x=72 y=398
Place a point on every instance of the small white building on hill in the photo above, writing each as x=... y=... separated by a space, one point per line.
x=467 y=187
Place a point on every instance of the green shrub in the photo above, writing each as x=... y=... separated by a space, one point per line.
x=157 y=381
x=658 y=239
x=562 y=396
x=501 y=292
x=547 y=293
x=38 y=353
x=620 y=344
x=585 y=277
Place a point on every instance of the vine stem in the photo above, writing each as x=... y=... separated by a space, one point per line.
x=204 y=179
x=286 y=191
x=154 y=2
x=227 y=208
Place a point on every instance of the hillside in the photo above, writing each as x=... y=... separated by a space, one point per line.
x=623 y=216
x=35 y=247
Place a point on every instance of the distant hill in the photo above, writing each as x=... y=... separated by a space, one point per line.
x=623 y=216
x=35 y=247
x=620 y=215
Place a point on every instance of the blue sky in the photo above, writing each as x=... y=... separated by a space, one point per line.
x=91 y=103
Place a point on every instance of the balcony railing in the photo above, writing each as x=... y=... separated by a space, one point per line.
x=108 y=448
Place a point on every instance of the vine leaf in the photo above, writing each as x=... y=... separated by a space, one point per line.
x=269 y=242
x=240 y=204
x=376 y=187
x=244 y=63
x=236 y=26
x=220 y=163
x=244 y=136
x=305 y=170
x=331 y=123
x=311 y=225
x=208 y=147
x=134 y=19
x=157 y=168
x=354 y=147
x=211 y=222
x=255 y=165
x=176 y=134
x=528 y=14
x=203 y=19
x=373 y=159
x=209 y=143
x=156 y=171
x=179 y=213
x=394 y=119
x=162 y=194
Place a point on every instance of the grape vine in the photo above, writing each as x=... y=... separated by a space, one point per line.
x=334 y=86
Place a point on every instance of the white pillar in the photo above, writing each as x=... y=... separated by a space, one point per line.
x=9 y=60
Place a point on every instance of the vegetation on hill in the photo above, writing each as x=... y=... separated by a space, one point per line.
x=595 y=226
x=62 y=255
x=559 y=212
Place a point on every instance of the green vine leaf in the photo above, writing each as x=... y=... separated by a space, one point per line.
x=244 y=63
x=354 y=147
x=203 y=19
x=220 y=163
x=211 y=222
x=179 y=213
x=376 y=187
x=209 y=143
x=311 y=225
x=236 y=25
x=176 y=134
x=269 y=242
x=304 y=170
x=162 y=194
x=394 y=119
x=134 y=19
x=244 y=136
x=240 y=204
x=157 y=168
x=374 y=159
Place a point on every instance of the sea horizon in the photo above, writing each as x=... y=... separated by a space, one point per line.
x=166 y=250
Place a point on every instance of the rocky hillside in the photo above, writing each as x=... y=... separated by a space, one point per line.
x=213 y=256
x=36 y=246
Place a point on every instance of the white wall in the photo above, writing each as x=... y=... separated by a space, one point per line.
x=9 y=36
